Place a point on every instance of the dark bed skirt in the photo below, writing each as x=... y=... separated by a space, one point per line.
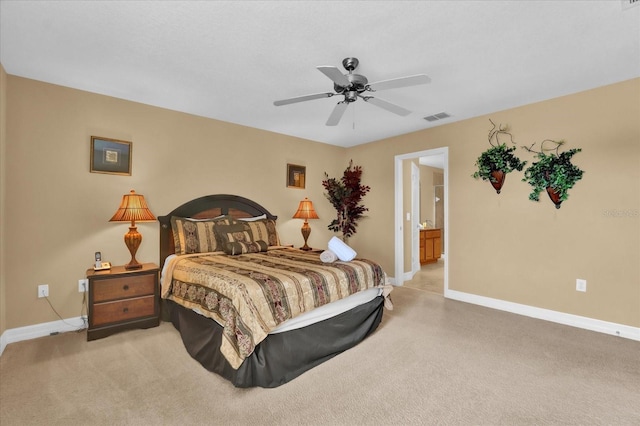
x=281 y=357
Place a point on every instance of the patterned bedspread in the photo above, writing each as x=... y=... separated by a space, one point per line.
x=251 y=294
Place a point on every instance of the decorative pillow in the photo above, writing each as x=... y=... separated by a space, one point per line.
x=234 y=232
x=265 y=230
x=196 y=235
x=237 y=238
x=235 y=248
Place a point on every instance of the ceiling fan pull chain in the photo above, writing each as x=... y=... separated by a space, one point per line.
x=354 y=117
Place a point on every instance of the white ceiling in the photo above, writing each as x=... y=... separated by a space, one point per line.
x=231 y=60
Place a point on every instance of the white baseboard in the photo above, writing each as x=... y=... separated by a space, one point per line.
x=407 y=276
x=40 y=330
x=621 y=330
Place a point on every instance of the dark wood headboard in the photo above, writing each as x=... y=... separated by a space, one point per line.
x=205 y=207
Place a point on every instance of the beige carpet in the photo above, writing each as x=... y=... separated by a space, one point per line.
x=432 y=361
x=430 y=278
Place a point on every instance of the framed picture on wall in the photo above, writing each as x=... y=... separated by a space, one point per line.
x=110 y=156
x=296 y=176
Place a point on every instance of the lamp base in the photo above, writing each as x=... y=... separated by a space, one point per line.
x=132 y=239
x=306 y=231
x=133 y=265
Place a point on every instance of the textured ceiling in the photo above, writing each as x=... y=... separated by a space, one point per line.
x=231 y=60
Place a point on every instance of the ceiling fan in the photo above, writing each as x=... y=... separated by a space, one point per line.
x=353 y=86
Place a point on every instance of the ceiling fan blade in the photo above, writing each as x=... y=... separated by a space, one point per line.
x=334 y=74
x=303 y=98
x=337 y=113
x=396 y=83
x=387 y=105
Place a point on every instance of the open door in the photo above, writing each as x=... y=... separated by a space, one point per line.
x=439 y=207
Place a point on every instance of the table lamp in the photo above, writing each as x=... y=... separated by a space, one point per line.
x=133 y=208
x=305 y=211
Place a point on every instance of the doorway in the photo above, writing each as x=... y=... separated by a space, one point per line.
x=438 y=201
x=436 y=270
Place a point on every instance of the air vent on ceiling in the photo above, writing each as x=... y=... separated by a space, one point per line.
x=436 y=117
x=626 y=4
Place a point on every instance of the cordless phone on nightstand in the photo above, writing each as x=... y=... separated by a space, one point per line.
x=100 y=265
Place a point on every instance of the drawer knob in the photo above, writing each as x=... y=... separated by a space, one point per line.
x=125 y=310
x=125 y=287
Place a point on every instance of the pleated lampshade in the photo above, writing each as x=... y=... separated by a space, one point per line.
x=133 y=208
x=305 y=210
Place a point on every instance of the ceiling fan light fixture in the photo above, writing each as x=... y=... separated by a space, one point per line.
x=352 y=86
x=351 y=96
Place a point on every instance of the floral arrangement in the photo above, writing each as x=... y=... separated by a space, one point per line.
x=345 y=195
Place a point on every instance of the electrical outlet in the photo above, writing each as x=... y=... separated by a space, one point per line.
x=581 y=285
x=83 y=285
x=43 y=290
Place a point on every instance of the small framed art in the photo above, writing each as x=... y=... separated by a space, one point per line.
x=110 y=156
x=296 y=176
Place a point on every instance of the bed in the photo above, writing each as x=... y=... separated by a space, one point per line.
x=253 y=311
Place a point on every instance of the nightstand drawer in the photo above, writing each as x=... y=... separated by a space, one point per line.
x=122 y=310
x=124 y=287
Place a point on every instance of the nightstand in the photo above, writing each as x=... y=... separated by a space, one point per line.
x=121 y=299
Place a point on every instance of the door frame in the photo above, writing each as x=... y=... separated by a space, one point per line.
x=399 y=212
x=415 y=219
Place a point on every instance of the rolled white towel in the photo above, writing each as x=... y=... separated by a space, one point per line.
x=343 y=251
x=328 y=256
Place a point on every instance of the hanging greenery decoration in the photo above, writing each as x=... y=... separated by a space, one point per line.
x=495 y=163
x=553 y=172
x=345 y=195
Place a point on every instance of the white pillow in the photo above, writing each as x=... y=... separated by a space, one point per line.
x=328 y=256
x=252 y=219
x=343 y=251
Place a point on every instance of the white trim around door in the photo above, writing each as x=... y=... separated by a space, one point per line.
x=399 y=275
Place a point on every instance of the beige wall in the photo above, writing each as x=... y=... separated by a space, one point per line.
x=60 y=211
x=504 y=247
x=509 y=248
